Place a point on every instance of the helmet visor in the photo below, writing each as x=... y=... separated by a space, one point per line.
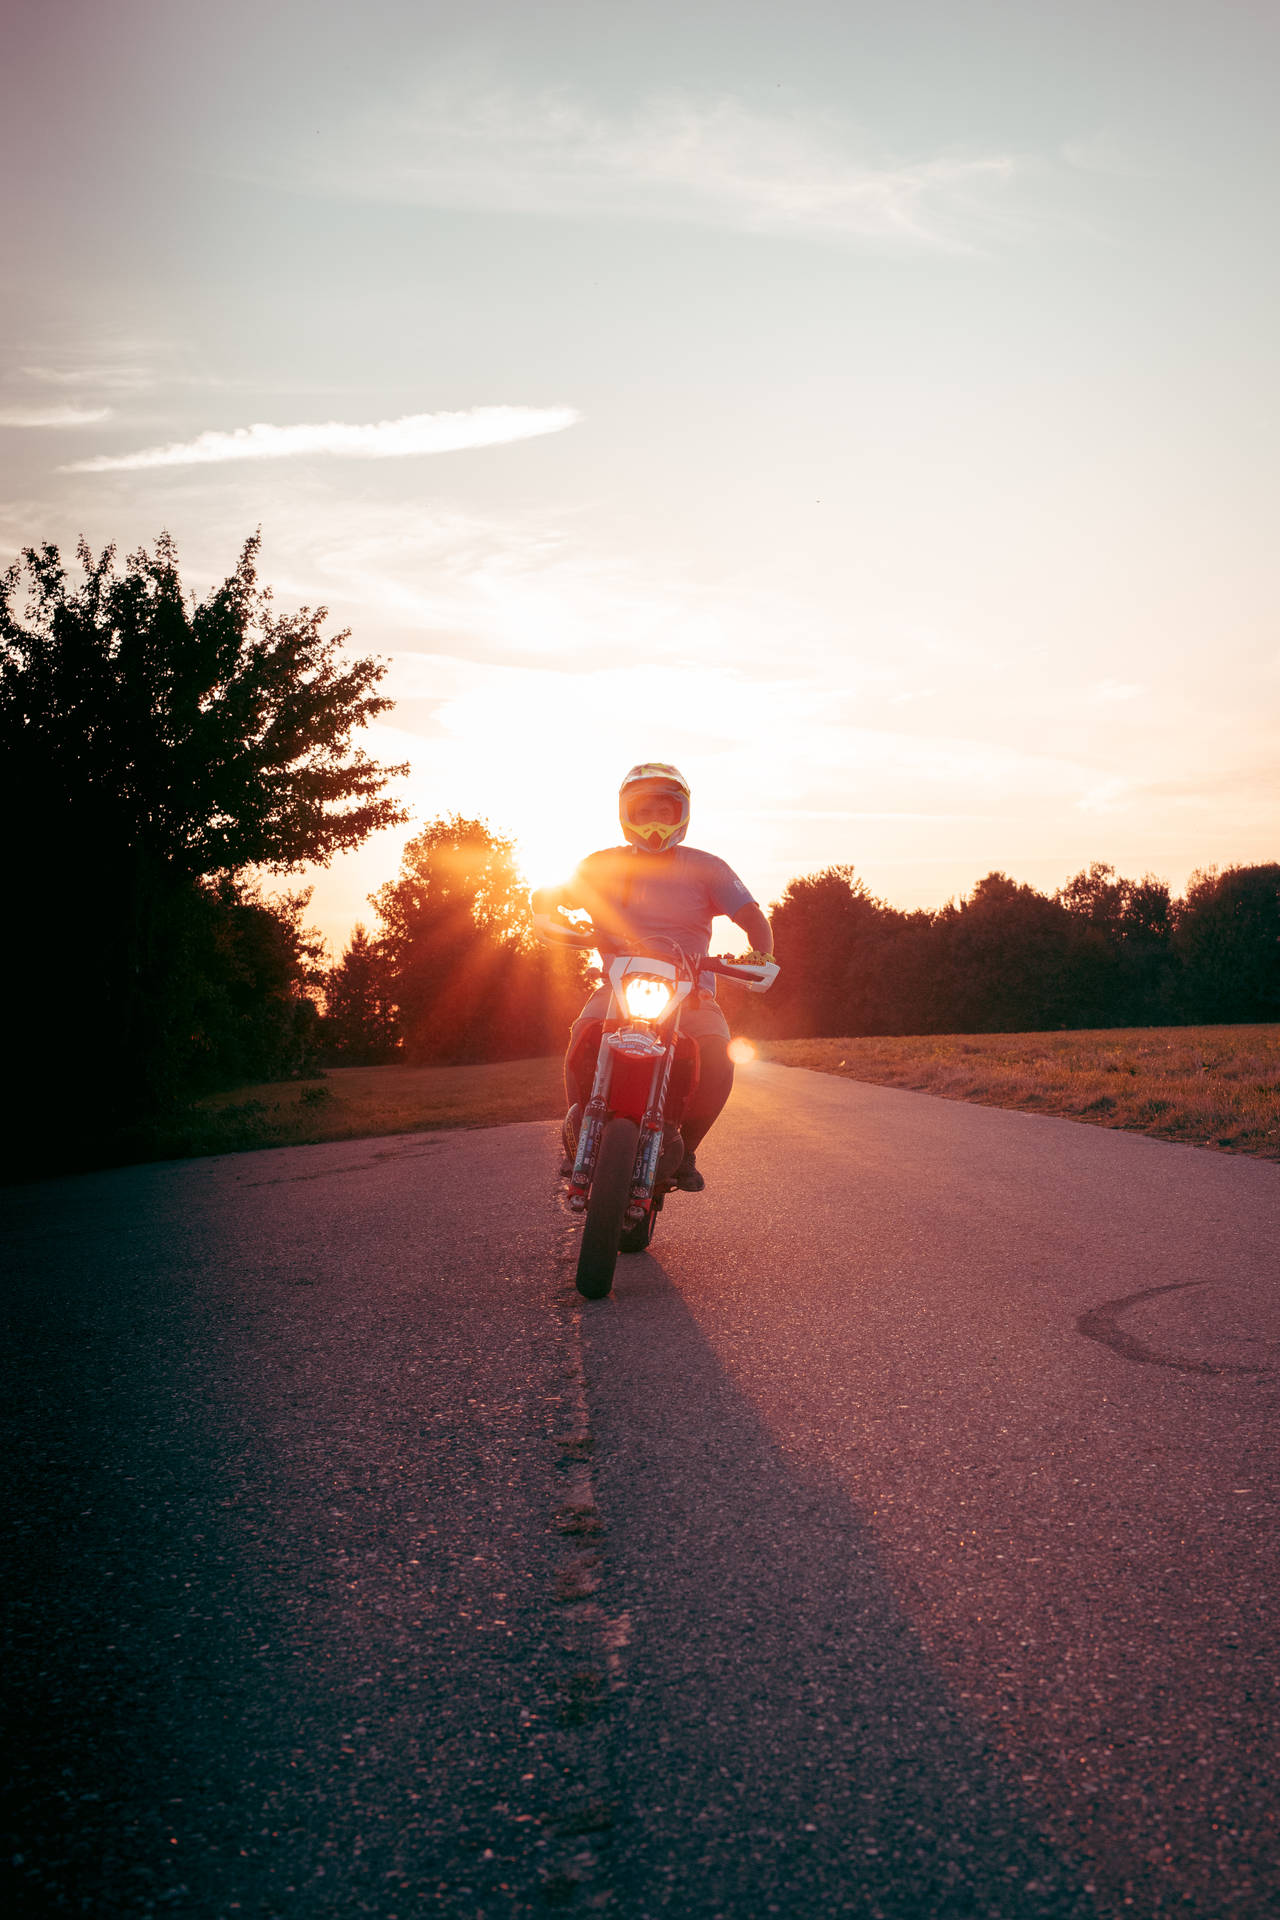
x=654 y=804
x=654 y=814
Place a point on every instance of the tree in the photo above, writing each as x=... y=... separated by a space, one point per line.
x=896 y=983
x=208 y=737
x=239 y=1006
x=360 y=1026
x=1010 y=960
x=819 y=925
x=151 y=744
x=470 y=982
x=1227 y=935
x=1126 y=968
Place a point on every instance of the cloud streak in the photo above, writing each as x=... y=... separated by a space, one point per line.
x=708 y=162
x=414 y=433
x=53 y=416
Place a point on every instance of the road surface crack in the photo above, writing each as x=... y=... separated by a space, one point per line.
x=592 y=1641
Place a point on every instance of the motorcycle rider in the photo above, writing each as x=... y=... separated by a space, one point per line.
x=656 y=889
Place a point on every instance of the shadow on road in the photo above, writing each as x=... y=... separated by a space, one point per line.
x=281 y=1634
x=782 y=1743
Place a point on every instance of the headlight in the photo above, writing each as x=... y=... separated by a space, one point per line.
x=646 y=999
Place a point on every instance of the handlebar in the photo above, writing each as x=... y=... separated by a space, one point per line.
x=757 y=977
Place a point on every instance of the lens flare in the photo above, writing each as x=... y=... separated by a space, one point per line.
x=741 y=1052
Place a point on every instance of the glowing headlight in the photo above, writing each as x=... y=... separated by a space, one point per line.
x=646 y=999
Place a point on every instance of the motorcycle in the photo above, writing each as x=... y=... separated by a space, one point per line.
x=626 y=1145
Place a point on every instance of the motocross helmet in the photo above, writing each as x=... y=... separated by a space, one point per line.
x=654 y=836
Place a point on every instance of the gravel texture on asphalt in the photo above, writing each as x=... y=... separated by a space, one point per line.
x=287 y=1443
x=938 y=1460
x=897 y=1540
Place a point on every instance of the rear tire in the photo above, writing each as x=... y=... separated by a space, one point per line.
x=635 y=1239
x=606 y=1208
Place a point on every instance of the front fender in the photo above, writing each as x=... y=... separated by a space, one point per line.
x=630 y=1078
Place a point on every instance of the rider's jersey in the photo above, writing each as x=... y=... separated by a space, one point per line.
x=634 y=896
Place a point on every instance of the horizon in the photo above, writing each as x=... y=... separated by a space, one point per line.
x=730 y=937
x=868 y=414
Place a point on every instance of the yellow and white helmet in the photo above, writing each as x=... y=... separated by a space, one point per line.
x=650 y=777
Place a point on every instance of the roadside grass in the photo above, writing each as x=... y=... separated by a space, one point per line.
x=1205 y=1086
x=345 y=1103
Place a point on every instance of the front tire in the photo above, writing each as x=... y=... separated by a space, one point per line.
x=606 y=1207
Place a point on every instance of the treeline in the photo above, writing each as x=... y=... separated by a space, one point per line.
x=1102 y=951
x=453 y=974
x=162 y=756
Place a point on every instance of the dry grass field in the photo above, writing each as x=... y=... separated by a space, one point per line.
x=348 y=1102
x=1206 y=1086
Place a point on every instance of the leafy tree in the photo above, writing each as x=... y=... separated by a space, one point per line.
x=360 y=1026
x=1126 y=970
x=451 y=920
x=470 y=982
x=1010 y=957
x=207 y=736
x=240 y=1005
x=152 y=743
x=1227 y=935
x=898 y=982
x=820 y=925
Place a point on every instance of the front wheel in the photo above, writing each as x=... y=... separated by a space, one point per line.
x=607 y=1207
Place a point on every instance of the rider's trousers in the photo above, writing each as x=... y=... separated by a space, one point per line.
x=703 y=1021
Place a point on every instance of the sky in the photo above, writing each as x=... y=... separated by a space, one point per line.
x=871 y=410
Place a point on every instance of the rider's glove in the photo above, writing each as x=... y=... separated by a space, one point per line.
x=753 y=958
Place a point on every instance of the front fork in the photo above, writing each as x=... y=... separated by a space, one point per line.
x=652 y=1135
x=595 y=1115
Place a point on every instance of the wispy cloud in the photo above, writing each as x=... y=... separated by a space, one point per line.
x=115 y=379
x=717 y=162
x=383 y=439
x=110 y=366
x=53 y=416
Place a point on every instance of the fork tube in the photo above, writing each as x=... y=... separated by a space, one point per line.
x=595 y=1113
x=651 y=1130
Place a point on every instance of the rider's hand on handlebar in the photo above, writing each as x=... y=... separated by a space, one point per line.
x=753 y=958
x=557 y=927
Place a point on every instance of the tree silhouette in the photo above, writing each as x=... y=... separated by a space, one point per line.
x=360 y=1026
x=208 y=736
x=1125 y=967
x=470 y=982
x=150 y=743
x=822 y=928
x=237 y=1007
x=1010 y=957
x=1227 y=936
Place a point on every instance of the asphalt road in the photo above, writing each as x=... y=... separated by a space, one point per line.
x=899 y=1539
